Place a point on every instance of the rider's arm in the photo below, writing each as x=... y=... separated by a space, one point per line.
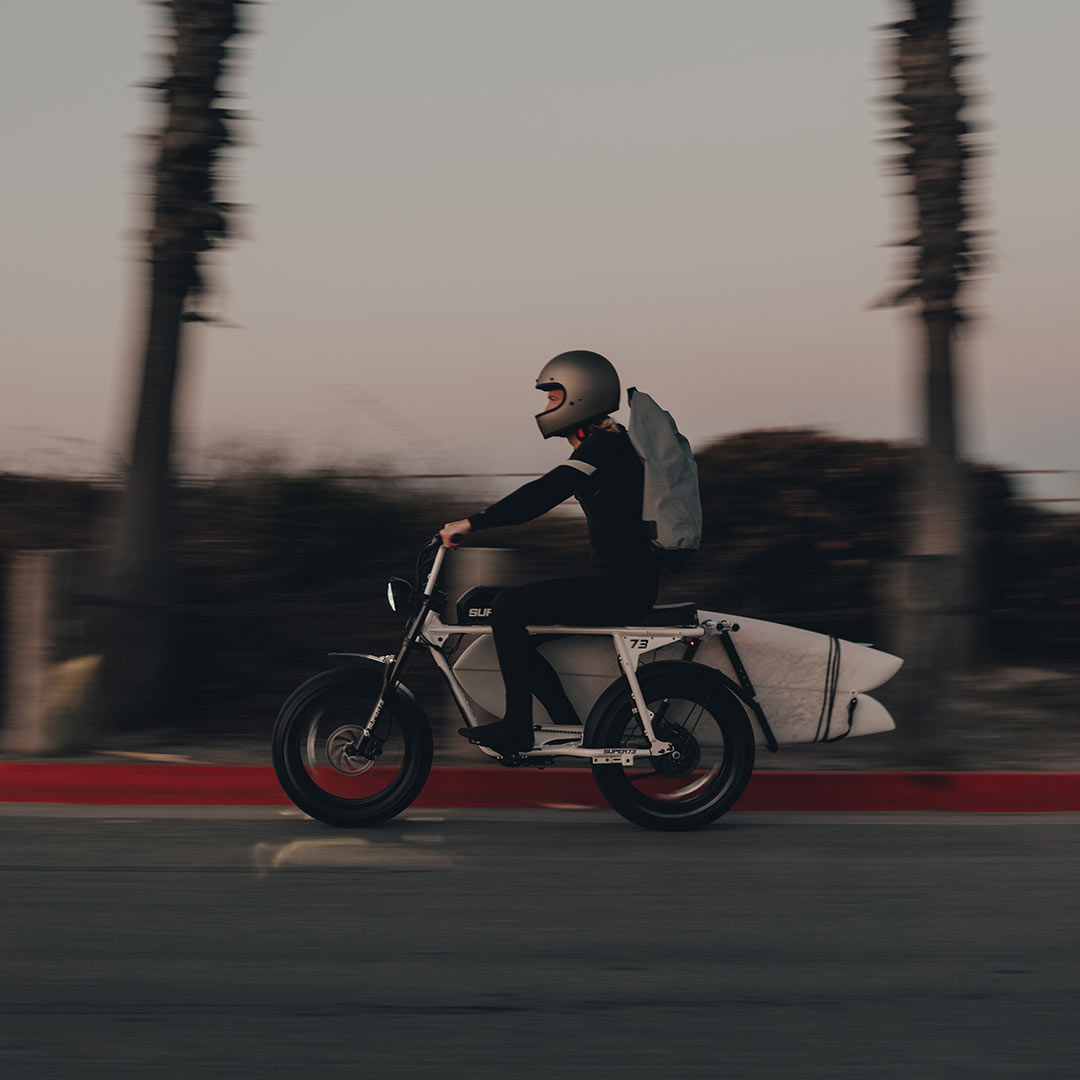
x=535 y=498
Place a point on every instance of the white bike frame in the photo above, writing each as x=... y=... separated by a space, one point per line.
x=631 y=643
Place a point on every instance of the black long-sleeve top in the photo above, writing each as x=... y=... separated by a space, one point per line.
x=606 y=476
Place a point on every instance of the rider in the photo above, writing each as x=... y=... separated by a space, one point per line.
x=606 y=476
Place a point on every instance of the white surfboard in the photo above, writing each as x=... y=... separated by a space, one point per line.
x=789 y=668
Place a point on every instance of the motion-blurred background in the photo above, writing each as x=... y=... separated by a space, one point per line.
x=427 y=201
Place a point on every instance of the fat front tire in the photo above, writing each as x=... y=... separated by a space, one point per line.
x=315 y=749
x=715 y=743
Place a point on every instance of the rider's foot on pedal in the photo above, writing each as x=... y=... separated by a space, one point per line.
x=502 y=737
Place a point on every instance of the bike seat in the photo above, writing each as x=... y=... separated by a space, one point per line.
x=670 y=615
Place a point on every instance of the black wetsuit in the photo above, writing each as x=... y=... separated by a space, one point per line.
x=606 y=476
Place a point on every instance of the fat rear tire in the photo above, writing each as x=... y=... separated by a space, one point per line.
x=712 y=728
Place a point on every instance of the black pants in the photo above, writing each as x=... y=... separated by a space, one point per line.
x=611 y=599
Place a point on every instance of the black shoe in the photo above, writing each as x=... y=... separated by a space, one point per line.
x=502 y=737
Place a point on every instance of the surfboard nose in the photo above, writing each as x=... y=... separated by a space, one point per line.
x=780 y=655
x=875 y=667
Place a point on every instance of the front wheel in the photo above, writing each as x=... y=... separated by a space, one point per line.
x=712 y=737
x=324 y=766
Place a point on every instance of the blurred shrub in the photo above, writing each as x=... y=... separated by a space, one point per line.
x=799 y=527
x=273 y=573
x=795 y=524
x=42 y=512
x=274 y=570
x=312 y=531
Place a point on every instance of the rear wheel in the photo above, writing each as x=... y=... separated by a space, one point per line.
x=328 y=769
x=714 y=750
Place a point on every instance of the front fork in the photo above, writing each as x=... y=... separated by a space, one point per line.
x=368 y=745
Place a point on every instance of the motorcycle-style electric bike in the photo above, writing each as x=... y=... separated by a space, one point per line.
x=672 y=716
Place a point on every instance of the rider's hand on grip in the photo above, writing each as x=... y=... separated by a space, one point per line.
x=454 y=532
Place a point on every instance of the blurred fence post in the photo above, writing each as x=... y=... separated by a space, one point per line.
x=48 y=670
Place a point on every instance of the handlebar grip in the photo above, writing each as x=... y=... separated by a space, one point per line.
x=456 y=538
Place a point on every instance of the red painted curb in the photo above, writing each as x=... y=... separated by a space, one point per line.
x=256 y=785
x=974 y=792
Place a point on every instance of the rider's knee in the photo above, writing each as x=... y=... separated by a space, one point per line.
x=507 y=609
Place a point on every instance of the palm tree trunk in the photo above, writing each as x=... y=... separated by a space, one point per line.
x=143 y=531
x=187 y=220
x=140 y=563
x=941 y=436
x=933 y=594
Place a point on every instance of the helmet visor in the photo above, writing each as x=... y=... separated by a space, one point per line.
x=556 y=394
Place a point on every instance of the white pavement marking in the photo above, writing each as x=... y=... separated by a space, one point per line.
x=345 y=853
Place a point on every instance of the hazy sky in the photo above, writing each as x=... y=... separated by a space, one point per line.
x=445 y=194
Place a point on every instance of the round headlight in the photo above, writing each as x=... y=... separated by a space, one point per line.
x=399 y=594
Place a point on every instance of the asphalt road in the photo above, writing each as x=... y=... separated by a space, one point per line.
x=256 y=943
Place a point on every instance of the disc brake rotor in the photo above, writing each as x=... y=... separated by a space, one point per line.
x=343 y=750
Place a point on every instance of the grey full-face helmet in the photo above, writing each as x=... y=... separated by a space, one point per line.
x=591 y=386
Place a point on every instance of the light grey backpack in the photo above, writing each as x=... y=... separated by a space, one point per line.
x=671 y=507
